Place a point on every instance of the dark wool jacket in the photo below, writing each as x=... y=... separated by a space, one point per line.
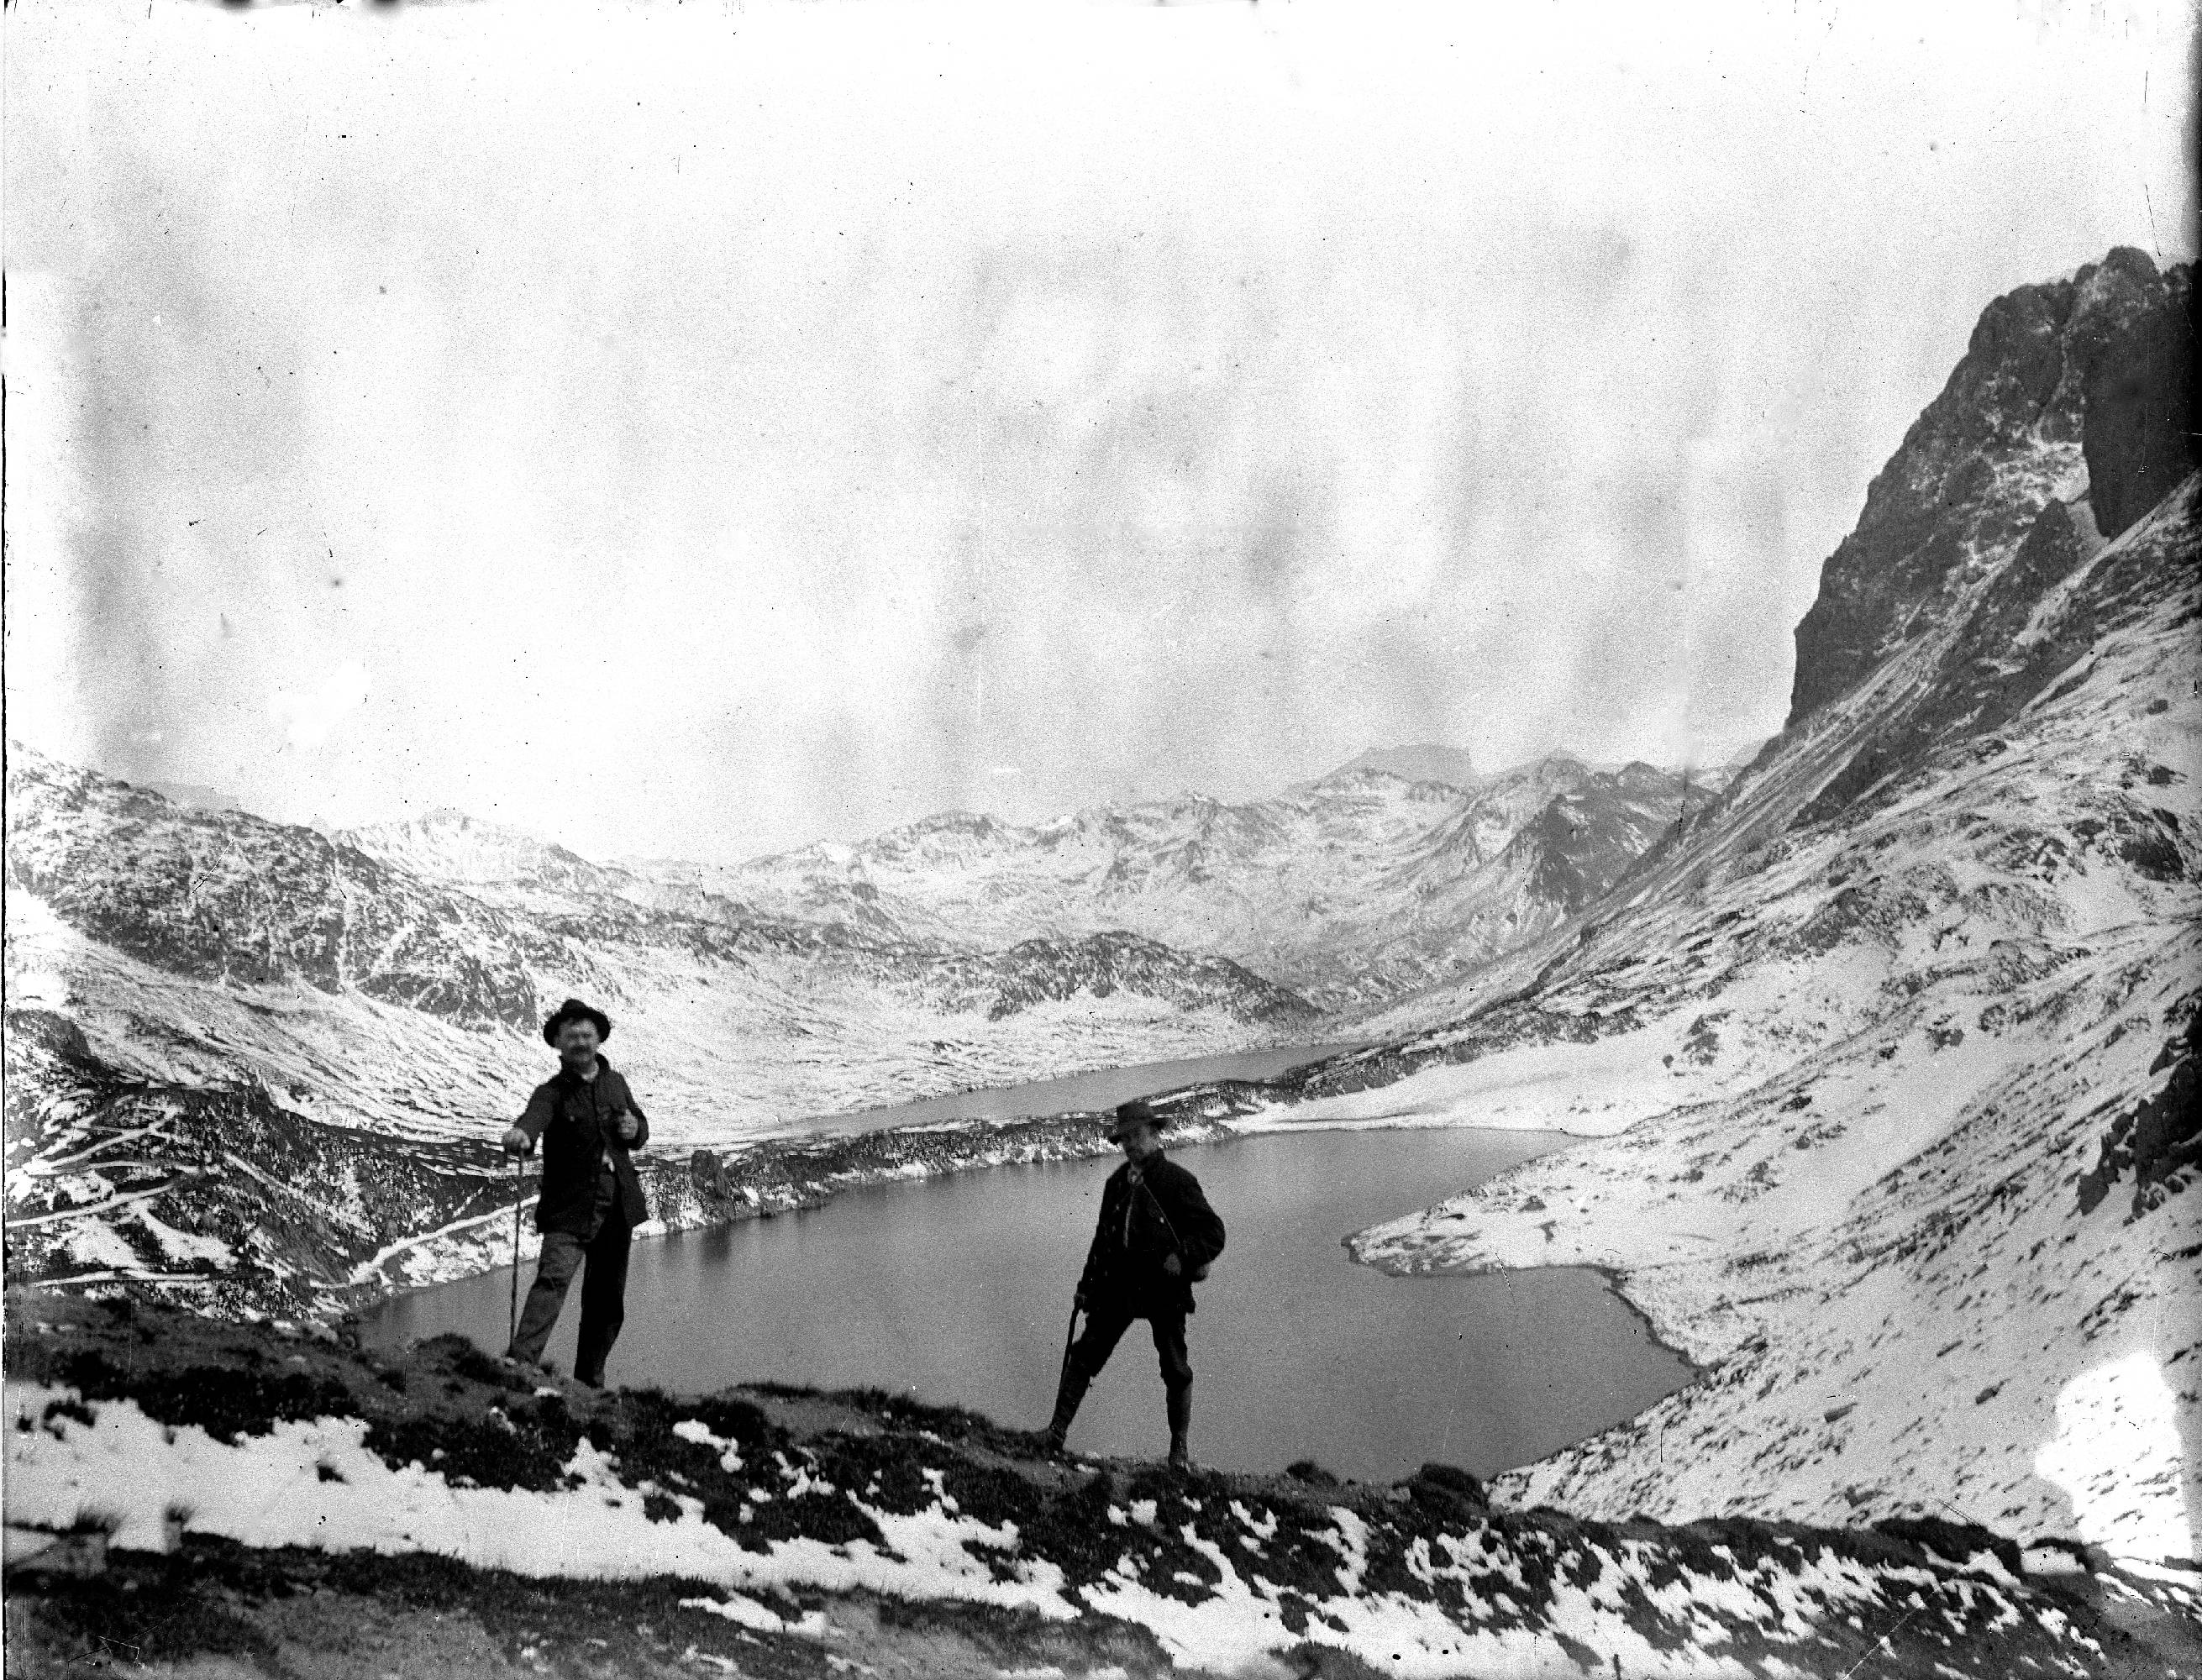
x=1148 y=1212
x=573 y=1118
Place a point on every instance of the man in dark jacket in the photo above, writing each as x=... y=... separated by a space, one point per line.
x=1155 y=1239
x=588 y=1122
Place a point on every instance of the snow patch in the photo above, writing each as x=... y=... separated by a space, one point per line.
x=745 y=1611
x=2116 y=1455
x=184 y=1247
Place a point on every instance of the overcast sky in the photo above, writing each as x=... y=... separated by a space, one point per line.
x=702 y=431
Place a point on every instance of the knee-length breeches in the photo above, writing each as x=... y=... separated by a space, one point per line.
x=1105 y=1327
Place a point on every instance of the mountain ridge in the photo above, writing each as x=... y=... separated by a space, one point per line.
x=1349 y=890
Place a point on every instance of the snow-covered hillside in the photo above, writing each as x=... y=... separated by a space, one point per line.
x=1891 y=1056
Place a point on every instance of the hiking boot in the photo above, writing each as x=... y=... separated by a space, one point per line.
x=1068 y=1393
x=1180 y=1420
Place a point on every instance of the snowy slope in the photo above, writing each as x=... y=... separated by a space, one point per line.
x=1890 y=1058
x=455 y=850
x=226 y=897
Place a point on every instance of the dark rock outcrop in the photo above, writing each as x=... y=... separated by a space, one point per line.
x=2017 y=641
x=2139 y=391
x=1574 y=850
x=2100 y=361
x=1100 y=964
x=2160 y=1143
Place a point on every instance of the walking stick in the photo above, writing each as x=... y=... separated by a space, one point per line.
x=1070 y=1337
x=519 y=1186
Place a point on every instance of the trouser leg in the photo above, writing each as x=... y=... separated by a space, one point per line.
x=1177 y=1380
x=1105 y=1328
x=554 y=1272
x=604 y=1300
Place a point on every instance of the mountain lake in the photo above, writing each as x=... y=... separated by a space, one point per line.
x=1079 y=1093
x=956 y=1289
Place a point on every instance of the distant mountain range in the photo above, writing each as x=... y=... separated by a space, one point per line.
x=287 y=935
x=1426 y=761
x=1351 y=890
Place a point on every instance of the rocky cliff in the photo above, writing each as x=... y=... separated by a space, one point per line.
x=2066 y=420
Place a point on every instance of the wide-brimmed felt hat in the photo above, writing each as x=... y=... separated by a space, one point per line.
x=573 y=1009
x=1130 y=1117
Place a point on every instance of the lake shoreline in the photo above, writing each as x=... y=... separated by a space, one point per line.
x=762 y=1179
x=1615 y=1279
x=790 y=1175
x=1489 y=1375
x=767 y=1178
x=1295 y=1061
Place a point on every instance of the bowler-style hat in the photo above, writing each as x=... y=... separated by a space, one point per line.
x=1130 y=1117
x=573 y=1009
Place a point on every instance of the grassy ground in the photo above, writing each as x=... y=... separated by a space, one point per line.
x=209 y=1606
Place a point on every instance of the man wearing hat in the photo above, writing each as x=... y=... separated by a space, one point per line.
x=588 y=1122
x=1156 y=1237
